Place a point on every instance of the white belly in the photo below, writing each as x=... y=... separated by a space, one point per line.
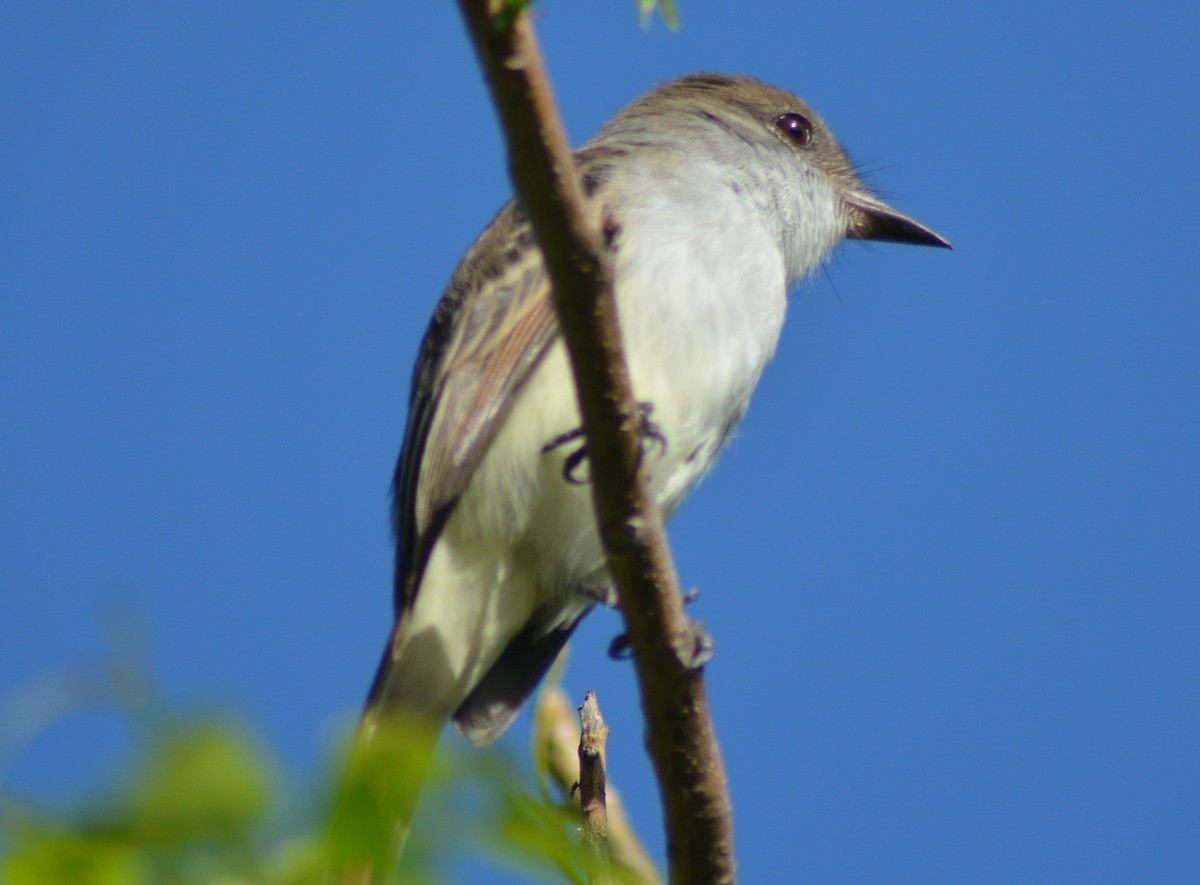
x=698 y=332
x=697 y=337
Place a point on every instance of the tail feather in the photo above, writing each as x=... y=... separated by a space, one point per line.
x=471 y=647
x=499 y=696
x=414 y=679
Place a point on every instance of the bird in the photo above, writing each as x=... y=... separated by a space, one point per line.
x=726 y=191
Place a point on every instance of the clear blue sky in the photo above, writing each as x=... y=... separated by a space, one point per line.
x=952 y=561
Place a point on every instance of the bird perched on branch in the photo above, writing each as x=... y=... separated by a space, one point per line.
x=725 y=191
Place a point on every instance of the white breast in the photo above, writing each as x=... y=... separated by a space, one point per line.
x=701 y=277
x=701 y=287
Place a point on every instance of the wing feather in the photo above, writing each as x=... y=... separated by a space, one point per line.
x=493 y=325
x=491 y=328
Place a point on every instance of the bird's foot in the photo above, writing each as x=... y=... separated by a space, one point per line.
x=574 y=459
x=619 y=649
x=699 y=654
x=703 y=646
x=649 y=433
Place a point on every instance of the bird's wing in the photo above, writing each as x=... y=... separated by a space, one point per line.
x=492 y=326
x=490 y=329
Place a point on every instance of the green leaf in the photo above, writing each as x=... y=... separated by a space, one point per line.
x=198 y=781
x=59 y=858
x=532 y=833
x=666 y=9
x=376 y=796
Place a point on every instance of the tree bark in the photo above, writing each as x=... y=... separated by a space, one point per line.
x=667 y=647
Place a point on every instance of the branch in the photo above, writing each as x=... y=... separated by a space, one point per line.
x=556 y=739
x=666 y=645
x=593 y=736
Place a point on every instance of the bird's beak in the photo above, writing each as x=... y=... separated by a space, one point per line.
x=872 y=219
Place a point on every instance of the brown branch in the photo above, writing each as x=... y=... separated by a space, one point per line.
x=680 y=736
x=556 y=737
x=593 y=735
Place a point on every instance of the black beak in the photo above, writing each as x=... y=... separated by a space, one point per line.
x=872 y=219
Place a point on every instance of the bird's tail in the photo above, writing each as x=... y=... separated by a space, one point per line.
x=390 y=760
x=479 y=675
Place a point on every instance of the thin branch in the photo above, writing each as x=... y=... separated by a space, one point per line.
x=593 y=736
x=556 y=736
x=666 y=645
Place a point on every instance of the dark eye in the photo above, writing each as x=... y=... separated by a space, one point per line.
x=796 y=127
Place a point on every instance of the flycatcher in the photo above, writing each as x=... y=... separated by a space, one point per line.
x=726 y=192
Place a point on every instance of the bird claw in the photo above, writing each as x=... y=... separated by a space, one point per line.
x=702 y=649
x=703 y=646
x=573 y=460
x=619 y=649
x=648 y=432
x=572 y=464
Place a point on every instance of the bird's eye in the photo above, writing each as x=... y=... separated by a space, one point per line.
x=796 y=127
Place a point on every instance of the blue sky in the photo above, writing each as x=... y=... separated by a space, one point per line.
x=951 y=562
